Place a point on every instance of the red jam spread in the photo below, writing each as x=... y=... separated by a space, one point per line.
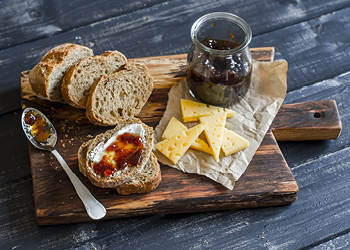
x=39 y=128
x=127 y=150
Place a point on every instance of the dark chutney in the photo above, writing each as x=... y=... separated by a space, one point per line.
x=39 y=129
x=218 y=79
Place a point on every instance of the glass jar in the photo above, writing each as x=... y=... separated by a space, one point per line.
x=219 y=63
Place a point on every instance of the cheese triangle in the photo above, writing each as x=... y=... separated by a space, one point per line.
x=174 y=147
x=175 y=127
x=214 y=132
x=232 y=142
x=192 y=110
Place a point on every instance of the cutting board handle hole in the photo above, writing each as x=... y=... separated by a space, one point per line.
x=317 y=115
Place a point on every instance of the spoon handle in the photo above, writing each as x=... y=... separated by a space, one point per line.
x=93 y=207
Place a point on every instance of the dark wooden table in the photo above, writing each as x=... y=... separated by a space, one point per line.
x=313 y=36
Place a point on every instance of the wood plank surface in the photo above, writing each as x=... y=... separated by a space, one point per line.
x=311 y=35
x=102 y=36
x=27 y=24
x=267 y=181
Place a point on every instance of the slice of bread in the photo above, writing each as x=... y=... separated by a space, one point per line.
x=80 y=77
x=46 y=77
x=120 y=176
x=143 y=182
x=82 y=157
x=121 y=94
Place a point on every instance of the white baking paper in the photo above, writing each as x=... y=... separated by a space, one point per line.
x=254 y=115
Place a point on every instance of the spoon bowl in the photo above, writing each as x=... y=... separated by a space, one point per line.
x=50 y=143
x=42 y=134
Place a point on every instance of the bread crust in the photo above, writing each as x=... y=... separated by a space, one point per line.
x=46 y=77
x=119 y=95
x=124 y=175
x=82 y=157
x=38 y=79
x=81 y=76
x=145 y=181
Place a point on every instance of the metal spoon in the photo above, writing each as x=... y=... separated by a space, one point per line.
x=93 y=207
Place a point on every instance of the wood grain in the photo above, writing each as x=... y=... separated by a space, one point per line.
x=316 y=120
x=36 y=13
x=310 y=34
x=267 y=181
x=110 y=34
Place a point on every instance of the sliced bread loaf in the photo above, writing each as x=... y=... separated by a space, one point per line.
x=121 y=94
x=123 y=175
x=46 y=77
x=80 y=77
x=143 y=182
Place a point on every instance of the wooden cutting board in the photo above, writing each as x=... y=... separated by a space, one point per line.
x=266 y=182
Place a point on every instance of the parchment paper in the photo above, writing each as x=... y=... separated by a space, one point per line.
x=254 y=115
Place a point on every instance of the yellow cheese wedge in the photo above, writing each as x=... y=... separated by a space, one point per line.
x=174 y=127
x=214 y=132
x=174 y=147
x=232 y=142
x=191 y=110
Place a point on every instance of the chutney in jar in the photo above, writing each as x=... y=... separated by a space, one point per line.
x=219 y=65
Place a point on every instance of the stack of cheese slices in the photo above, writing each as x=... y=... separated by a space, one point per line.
x=107 y=86
x=112 y=91
x=177 y=138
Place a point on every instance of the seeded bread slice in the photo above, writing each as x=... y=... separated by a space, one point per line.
x=145 y=181
x=80 y=77
x=46 y=77
x=82 y=157
x=128 y=173
x=119 y=95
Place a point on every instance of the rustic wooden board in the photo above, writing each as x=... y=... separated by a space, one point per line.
x=267 y=181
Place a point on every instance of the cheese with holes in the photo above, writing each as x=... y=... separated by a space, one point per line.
x=232 y=142
x=174 y=147
x=191 y=111
x=175 y=127
x=214 y=132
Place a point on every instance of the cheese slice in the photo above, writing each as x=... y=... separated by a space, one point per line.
x=191 y=110
x=214 y=132
x=232 y=142
x=174 y=147
x=174 y=127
